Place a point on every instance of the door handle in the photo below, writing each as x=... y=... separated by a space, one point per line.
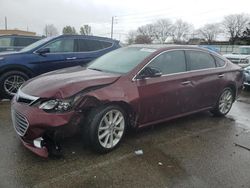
x=71 y=58
x=185 y=82
x=221 y=75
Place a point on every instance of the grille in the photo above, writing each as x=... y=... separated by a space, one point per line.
x=234 y=60
x=20 y=123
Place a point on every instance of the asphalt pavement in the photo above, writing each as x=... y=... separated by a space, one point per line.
x=195 y=151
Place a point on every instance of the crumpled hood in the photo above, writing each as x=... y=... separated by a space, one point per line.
x=66 y=82
x=236 y=56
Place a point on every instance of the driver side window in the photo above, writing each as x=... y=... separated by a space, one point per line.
x=62 y=45
x=170 y=62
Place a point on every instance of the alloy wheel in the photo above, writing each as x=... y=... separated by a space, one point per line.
x=226 y=101
x=111 y=129
x=12 y=83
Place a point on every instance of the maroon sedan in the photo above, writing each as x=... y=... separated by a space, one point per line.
x=133 y=86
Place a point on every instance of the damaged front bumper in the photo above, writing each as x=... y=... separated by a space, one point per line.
x=40 y=131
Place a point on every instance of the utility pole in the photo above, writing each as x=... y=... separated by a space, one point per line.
x=46 y=30
x=112 y=27
x=6 y=25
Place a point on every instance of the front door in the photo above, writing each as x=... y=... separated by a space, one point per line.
x=62 y=54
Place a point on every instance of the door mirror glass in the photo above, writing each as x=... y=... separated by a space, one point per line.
x=149 y=72
x=43 y=51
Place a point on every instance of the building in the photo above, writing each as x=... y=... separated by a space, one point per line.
x=16 y=32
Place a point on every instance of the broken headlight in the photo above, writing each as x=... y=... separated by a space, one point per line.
x=57 y=105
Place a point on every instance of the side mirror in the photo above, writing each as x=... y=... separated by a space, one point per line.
x=149 y=72
x=43 y=51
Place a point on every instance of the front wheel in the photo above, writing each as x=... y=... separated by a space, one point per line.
x=107 y=127
x=10 y=83
x=224 y=103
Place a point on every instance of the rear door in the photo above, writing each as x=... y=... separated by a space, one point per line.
x=169 y=95
x=205 y=78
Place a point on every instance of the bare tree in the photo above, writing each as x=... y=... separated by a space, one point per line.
x=131 y=37
x=50 y=30
x=85 y=30
x=210 y=32
x=181 y=31
x=163 y=29
x=235 y=24
x=143 y=39
x=147 y=30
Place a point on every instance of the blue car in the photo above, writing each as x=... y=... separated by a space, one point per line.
x=47 y=55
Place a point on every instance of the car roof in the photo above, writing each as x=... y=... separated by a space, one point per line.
x=87 y=37
x=168 y=46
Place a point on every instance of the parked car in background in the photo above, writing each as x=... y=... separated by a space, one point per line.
x=242 y=57
x=210 y=47
x=247 y=77
x=16 y=42
x=132 y=86
x=47 y=55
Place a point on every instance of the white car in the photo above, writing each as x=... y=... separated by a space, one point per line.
x=247 y=76
x=241 y=58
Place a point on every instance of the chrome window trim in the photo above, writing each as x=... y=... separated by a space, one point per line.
x=185 y=72
x=35 y=52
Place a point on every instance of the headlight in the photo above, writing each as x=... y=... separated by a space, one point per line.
x=57 y=105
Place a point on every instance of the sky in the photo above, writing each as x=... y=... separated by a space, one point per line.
x=128 y=14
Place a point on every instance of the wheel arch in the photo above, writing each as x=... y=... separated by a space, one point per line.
x=87 y=105
x=234 y=89
x=20 y=68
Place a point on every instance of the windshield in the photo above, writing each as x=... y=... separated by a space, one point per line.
x=244 y=50
x=122 y=60
x=34 y=45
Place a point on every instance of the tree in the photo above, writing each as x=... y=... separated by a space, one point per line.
x=210 y=32
x=246 y=32
x=181 y=31
x=50 y=30
x=85 y=30
x=148 y=31
x=131 y=37
x=234 y=25
x=143 y=39
x=69 y=30
x=163 y=28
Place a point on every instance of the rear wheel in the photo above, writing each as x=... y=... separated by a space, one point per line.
x=10 y=82
x=224 y=103
x=106 y=128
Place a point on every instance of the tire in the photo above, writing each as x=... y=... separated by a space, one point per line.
x=102 y=132
x=10 y=82
x=224 y=103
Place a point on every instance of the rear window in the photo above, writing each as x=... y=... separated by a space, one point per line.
x=87 y=45
x=200 y=60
